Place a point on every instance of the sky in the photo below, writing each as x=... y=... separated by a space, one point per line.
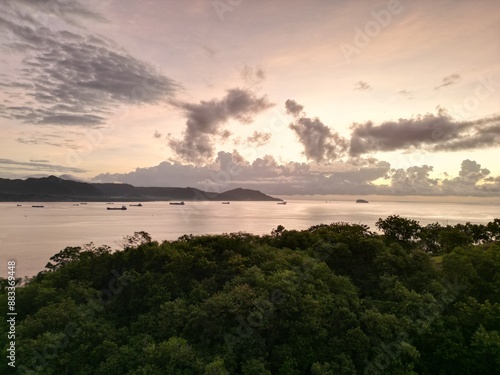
x=293 y=97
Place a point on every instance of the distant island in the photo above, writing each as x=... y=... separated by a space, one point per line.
x=361 y=201
x=52 y=189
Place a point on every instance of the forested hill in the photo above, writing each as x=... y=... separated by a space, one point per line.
x=57 y=189
x=332 y=299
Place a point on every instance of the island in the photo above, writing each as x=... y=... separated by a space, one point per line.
x=55 y=189
x=361 y=201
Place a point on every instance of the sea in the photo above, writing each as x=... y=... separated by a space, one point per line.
x=30 y=236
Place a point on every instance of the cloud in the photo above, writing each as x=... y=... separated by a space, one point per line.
x=293 y=108
x=362 y=86
x=466 y=183
x=319 y=141
x=258 y=139
x=206 y=118
x=70 y=11
x=72 y=79
x=449 y=80
x=157 y=134
x=414 y=180
x=407 y=94
x=252 y=76
x=36 y=166
x=430 y=132
x=481 y=133
x=230 y=170
x=55 y=139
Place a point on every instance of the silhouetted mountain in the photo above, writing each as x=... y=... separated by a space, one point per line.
x=116 y=190
x=240 y=194
x=57 y=189
x=176 y=193
x=48 y=186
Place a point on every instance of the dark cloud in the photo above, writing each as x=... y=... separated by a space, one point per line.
x=48 y=139
x=258 y=139
x=205 y=120
x=70 y=11
x=72 y=79
x=319 y=141
x=157 y=134
x=293 y=108
x=37 y=166
x=449 y=80
x=362 y=86
x=430 y=132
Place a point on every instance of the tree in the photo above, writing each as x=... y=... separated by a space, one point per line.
x=400 y=229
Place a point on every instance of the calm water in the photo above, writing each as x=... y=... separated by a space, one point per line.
x=32 y=235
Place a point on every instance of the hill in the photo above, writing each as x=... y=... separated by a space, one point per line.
x=52 y=188
x=240 y=194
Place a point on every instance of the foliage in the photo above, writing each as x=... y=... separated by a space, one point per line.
x=332 y=299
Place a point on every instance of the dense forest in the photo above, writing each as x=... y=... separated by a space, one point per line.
x=334 y=299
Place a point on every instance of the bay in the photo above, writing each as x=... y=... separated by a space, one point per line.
x=32 y=235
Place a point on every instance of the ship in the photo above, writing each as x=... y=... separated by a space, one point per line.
x=116 y=208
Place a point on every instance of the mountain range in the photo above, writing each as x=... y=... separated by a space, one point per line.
x=52 y=188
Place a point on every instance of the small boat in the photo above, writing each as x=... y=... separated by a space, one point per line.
x=76 y=204
x=19 y=205
x=83 y=203
x=136 y=205
x=38 y=206
x=226 y=202
x=109 y=203
x=116 y=208
x=284 y=202
x=361 y=201
x=177 y=203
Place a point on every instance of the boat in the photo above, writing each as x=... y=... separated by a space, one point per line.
x=110 y=203
x=83 y=202
x=37 y=206
x=76 y=204
x=226 y=202
x=116 y=208
x=19 y=205
x=284 y=202
x=361 y=201
x=177 y=203
x=136 y=205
